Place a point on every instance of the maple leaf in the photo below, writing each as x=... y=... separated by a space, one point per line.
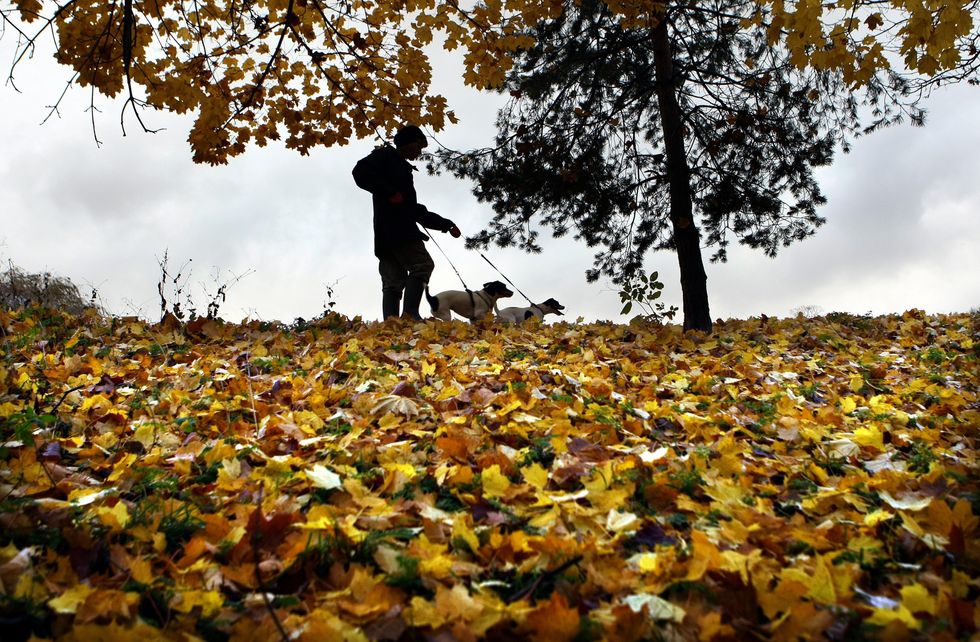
x=323 y=477
x=554 y=621
x=395 y=404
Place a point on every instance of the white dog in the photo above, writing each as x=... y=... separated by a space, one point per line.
x=520 y=315
x=474 y=305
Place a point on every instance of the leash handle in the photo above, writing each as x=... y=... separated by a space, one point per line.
x=432 y=237
x=508 y=280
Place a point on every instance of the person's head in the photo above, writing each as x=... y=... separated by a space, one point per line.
x=410 y=141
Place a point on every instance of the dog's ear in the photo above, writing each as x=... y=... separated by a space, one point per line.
x=496 y=287
x=528 y=314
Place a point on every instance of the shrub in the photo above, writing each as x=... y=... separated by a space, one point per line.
x=20 y=289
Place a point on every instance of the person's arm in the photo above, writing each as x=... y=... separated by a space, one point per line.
x=433 y=221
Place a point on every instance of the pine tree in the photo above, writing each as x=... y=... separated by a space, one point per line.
x=694 y=131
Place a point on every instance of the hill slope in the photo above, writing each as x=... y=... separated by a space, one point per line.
x=780 y=479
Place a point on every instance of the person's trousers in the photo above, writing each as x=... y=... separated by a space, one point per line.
x=404 y=268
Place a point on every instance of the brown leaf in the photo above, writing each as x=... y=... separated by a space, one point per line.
x=266 y=532
x=405 y=389
x=553 y=621
x=12 y=569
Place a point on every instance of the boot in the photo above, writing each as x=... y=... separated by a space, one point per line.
x=390 y=302
x=414 y=287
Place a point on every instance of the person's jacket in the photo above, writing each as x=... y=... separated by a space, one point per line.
x=385 y=173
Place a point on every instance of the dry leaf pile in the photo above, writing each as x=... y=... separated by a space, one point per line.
x=781 y=479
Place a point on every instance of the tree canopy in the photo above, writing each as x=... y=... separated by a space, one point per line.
x=309 y=72
x=316 y=72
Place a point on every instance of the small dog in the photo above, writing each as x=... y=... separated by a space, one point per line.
x=474 y=305
x=520 y=315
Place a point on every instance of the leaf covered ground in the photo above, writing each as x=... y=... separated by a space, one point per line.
x=781 y=479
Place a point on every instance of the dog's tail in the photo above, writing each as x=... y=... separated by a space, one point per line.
x=433 y=300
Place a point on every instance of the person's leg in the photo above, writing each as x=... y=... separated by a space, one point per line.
x=393 y=277
x=416 y=261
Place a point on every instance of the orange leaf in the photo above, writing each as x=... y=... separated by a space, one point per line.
x=554 y=621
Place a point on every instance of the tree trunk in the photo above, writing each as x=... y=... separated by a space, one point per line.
x=694 y=281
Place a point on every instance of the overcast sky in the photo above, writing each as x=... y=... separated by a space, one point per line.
x=902 y=226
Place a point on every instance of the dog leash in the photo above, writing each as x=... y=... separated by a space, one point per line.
x=533 y=304
x=432 y=237
x=466 y=287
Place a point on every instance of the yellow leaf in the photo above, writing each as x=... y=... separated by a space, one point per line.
x=306 y=420
x=877 y=517
x=70 y=600
x=495 y=484
x=406 y=469
x=710 y=626
x=512 y=406
x=536 y=475
x=520 y=542
x=961 y=584
x=869 y=436
x=884 y=617
x=318 y=524
x=448 y=392
x=116 y=517
x=86 y=496
x=421 y=613
x=209 y=601
x=600 y=479
x=821 y=583
x=611 y=499
x=964 y=518
x=438 y=566
x=787 y=594
x=916 y=598
x=457 y=604
x=141 y=570
x=230 y=471
x=159 y=542
x=122 y=466
x=705 y=556
x=545 y=520
x=7 y=408
x=145 y=435
x=648 y=562
x=462 y=530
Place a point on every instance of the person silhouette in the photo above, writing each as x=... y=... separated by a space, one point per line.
x=399 y=245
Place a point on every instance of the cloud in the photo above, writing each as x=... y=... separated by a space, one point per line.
x=901 y=226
